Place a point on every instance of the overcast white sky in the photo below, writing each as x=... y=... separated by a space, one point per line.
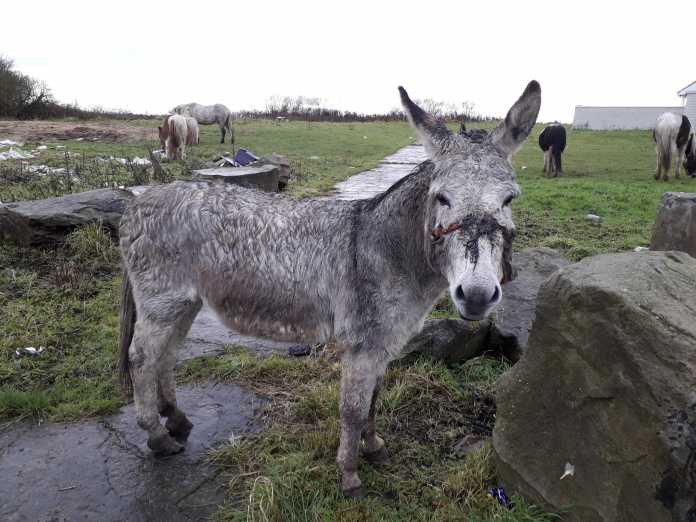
x=149 y=55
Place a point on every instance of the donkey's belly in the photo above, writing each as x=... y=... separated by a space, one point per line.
x=285 y=323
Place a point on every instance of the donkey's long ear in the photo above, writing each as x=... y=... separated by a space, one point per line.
x=433 y=132
x=519 y=122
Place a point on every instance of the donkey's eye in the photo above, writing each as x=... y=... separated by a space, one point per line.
x=507 y=201
x=442 y=200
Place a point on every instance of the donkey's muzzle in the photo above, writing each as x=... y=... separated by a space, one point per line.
x=475 y=302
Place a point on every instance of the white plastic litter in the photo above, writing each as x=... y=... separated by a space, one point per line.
x=123 y=161
x=641 y=249
x=593 y=218
x=15 y=154
x=44 y=169
x=42 y=147
x=569 y=471
x=30 y=350
x=8 y=143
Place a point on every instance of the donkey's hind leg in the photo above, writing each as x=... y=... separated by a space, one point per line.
x=157 y=327
x=374 y=449
x=178 y=425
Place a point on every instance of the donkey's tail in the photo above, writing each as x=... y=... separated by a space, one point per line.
x=557 y=152
x=664 y=144
x=126 y=332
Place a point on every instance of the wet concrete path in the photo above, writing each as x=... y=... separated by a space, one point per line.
x=390 y=170
x=102 y=469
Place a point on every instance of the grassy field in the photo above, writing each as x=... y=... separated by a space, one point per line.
x=65 y=298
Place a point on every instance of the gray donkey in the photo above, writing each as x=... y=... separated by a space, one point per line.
x=364 y=273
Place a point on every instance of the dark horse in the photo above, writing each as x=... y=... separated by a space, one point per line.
x=552 y=141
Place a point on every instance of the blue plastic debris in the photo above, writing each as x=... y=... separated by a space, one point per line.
x=500 y=496
x=244 y=157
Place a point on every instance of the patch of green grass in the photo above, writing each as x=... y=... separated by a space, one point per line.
x=287 y=472
x=606 y=173
x=15 y=403
x=66 y=300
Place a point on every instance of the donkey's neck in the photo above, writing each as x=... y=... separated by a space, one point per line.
x=394 y=221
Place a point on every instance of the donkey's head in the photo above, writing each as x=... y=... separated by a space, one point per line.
x=468 y=220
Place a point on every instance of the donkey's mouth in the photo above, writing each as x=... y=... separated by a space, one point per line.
x=479 y=318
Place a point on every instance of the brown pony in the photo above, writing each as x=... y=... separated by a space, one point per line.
x=191 y=131
x=173 y=133
x=164 y=131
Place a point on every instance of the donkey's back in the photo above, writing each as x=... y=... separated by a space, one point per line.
x=267 y=263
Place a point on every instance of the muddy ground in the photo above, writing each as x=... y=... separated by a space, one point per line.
x=107 y=131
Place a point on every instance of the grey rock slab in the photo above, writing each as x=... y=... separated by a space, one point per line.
x=102 y=470
x=209 y=337
x=51 y=219
x=515 y=313
x=264 y=177
x=281 y=162
x=449 y=340
x=675 y=225
x=390 y=170
x=606 y=385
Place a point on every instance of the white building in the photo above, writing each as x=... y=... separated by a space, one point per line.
x=619 y=118
x=688 y=94
x=624 y=118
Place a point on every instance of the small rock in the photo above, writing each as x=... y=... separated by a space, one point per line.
x=449 y=340
x=300 y=350
x=467 y=444
x=641 y=249
x=593 y=218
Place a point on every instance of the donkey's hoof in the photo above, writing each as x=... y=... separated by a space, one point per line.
x=179 y=428
x=379 y=457
x=164 y=445
x=354 y=492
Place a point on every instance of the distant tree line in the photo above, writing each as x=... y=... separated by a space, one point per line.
x=27 y=98
x=311 y=109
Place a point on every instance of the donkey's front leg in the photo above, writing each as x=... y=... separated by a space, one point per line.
x=361 y=372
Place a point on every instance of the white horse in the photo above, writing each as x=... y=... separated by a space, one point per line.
x=671 y=135
x=207 y=115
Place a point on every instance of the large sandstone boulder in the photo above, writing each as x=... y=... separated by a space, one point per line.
x=675 y=226
x=607 y=392
x=51 y=219
x=516 y=311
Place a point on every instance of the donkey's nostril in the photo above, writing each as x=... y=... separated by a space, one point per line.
x=459 y=293
x=496 y=294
